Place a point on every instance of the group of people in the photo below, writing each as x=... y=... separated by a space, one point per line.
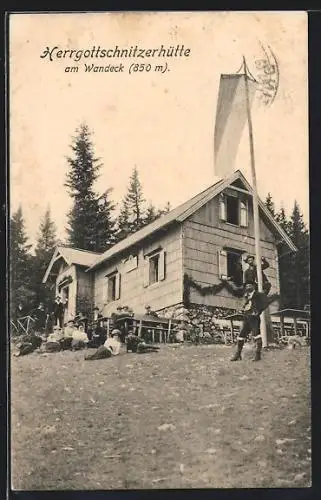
x=79 y=334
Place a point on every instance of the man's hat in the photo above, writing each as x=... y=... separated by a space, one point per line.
x=248 y=257
x=147 y=307
x=115 y=332
x=70 y=321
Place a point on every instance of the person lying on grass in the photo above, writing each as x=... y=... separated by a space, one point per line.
x=137 y=344
x=110 y=348
x=28 y=344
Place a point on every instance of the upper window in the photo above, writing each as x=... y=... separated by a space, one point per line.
x=154 y=268
x=234 y=210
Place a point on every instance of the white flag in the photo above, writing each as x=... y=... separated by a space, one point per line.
x=231 y=115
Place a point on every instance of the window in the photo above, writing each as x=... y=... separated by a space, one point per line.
x=234 y=210
x=113 y=287
x=230 y=265
x=154 y=268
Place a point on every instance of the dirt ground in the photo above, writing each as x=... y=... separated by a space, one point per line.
x=184 y=417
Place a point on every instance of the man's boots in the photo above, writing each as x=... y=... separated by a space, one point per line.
x=257 y=356
x=239 y=346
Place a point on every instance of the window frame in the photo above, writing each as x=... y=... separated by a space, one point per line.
x=224 y=262
x=161 y=267
x=223 y=212
x=115 y=275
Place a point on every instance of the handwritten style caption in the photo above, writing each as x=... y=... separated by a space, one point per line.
x=131 y=58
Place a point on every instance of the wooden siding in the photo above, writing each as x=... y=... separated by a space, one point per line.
x=209 y=215
x=133 y=293
x=204 y=235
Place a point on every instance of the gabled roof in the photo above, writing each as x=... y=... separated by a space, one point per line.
x=182 y=212
x=71 y=256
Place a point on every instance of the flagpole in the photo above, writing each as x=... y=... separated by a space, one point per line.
x=255 y=204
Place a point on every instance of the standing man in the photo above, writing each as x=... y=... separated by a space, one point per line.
x=250 y=275
x=58 y=312
x=40 y=318
x=254 y=305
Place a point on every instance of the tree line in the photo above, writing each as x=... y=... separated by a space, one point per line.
x=93 y=224
x=294 y=268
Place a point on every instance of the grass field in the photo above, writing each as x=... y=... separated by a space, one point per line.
x=180 y=418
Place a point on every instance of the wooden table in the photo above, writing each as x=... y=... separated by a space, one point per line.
x=296 y=315
x=160 y=328
x=231 y=318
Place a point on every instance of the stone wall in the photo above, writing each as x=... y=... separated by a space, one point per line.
x=199 y=319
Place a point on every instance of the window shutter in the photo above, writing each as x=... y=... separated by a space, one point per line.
x=105 y=290
x=244 y=265
x=222 y=207
x=222 y=264
x=161 y=265
x=243 y=213
x=117 y=286
x=146 y=272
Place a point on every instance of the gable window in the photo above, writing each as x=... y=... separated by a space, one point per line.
x=113 y=286
x=230 y=265
x=154 y=270
x=234 y=210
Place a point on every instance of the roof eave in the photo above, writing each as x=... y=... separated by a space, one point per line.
x=98 y=264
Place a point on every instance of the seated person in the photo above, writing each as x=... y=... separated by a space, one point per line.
x=110 y=348
x=98 y=336
x=79 y=339
x=53 y=343
x=81 y=319
x=127 y=311
x=28 y=344
x=66 y=341
x=150 y=312
x=137 y=344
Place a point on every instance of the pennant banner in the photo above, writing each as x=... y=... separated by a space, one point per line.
x=231 y=115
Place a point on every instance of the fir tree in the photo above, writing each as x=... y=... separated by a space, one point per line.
x=106 y=224
x=90 y=219
x=20 y=269
x=123 y=223
x=294 y=267
x=134 y=202
x=151 y=214
x=281 y=218
x=46 y=242
x=300 y=260
x=167 y=208
x=270 y=204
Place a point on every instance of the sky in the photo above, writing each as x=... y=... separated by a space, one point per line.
x=161 y=122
